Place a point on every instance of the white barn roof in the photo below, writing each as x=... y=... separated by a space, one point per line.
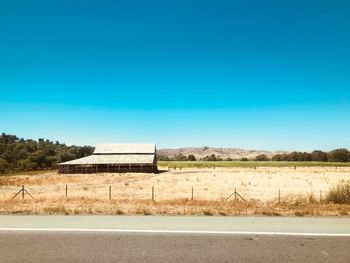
x=113 y=159
x=125 y=148
x=119 y=153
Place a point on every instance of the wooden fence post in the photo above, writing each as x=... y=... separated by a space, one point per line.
x=110 y=192
x=235 y=194
x=279 y=195
x=22 y=191
x=66 y=191
x=192 y=194
x=320 y=197
x=152 y=193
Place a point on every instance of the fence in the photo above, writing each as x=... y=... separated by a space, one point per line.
x=109 y=192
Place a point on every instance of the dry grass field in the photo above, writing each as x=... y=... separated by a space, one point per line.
x=301 y=189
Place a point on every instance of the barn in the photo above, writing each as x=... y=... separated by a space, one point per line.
x=115 y=157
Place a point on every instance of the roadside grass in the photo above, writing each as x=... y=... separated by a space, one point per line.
x=248 y=164
x=339 y=194
x=95 y=206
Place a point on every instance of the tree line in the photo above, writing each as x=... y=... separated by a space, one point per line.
x=17 y=154
x=338 y=155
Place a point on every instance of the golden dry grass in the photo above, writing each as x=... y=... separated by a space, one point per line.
x=131 y=192
x=76 y=205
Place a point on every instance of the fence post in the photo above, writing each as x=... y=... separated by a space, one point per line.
x=66 y=191
x=235 y=194
x=22 y=191
x=320 y=197
x=110 y=192
x=192 y=194
x=152 y=193
x=279 y=195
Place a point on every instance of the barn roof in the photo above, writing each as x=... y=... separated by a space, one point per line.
x=125 y=148
x=113 y=159
x=119 y=153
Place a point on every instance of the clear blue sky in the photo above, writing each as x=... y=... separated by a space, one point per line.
x=250 y=74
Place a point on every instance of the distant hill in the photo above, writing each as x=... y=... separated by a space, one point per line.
x=201 y=152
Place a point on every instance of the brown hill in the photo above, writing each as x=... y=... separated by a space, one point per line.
x=201 y=152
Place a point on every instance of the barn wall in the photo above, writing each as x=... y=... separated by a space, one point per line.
x=105 y=168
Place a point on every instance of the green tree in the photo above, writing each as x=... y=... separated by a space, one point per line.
x=4 y=165
x=339 y=155
x=162 y=158
x=319 y=156
x=261 y=158
x=180 y=157
x=20 y=155
x=211 y=157
x=191 y=157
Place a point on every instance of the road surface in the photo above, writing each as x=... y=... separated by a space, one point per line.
x=173 y=239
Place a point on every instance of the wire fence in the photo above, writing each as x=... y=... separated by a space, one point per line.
x=155 y=193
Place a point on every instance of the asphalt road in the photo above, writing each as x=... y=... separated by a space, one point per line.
x=173 y=239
